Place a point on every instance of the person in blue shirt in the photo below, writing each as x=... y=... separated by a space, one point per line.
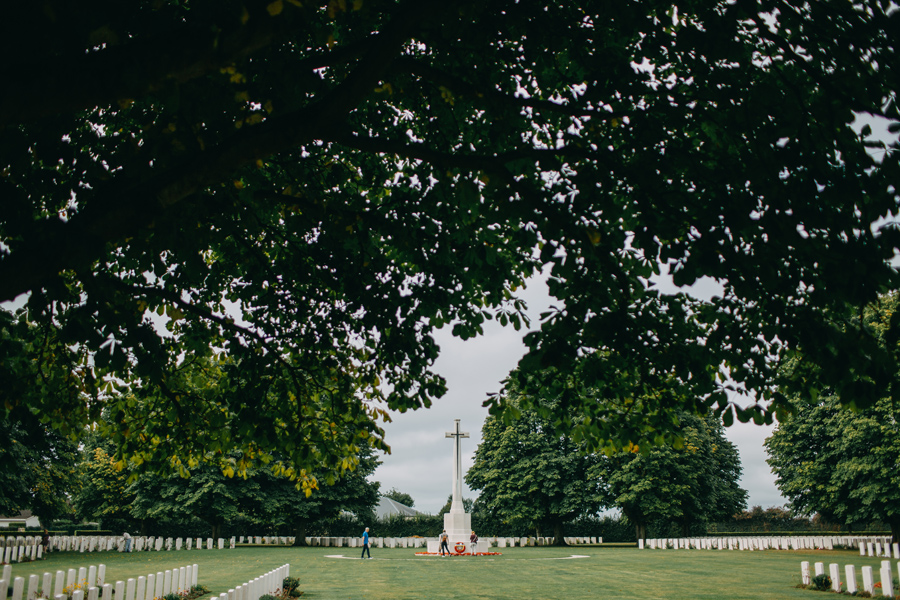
x=366 y=544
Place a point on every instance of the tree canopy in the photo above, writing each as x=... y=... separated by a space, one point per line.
x=530 y=476
x=838 y=463
x=695 y=483
x=297 y=194
x=37 y=467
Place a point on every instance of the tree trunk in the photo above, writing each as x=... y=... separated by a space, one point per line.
x=895 y=531
x=300 y=533
x=640 y=531
x=216 y=529
x=558 y=539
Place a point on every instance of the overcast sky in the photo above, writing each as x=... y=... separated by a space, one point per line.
x=421 y=459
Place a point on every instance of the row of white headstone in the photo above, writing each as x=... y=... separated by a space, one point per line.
x=89 y=584
x=267 y=539
x=269 y=583
x=868 y=580
x=876 y=549
x=103 y=543
x=28 y=547
x=768 y=543
x=19 y=553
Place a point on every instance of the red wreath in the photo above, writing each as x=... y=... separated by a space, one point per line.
x=460 y=547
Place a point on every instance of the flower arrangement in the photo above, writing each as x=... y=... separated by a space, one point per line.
x=78 y=585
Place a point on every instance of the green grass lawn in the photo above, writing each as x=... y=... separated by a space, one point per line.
x=520 y=573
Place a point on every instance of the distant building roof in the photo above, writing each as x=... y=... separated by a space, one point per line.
x=25 y=518
x=388 y=508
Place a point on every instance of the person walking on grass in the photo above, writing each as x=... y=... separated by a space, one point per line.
x=366 y=544
x=444 y=545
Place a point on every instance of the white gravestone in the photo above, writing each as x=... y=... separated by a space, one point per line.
x=835 y=574
x=850 y=577
x=868 y=580
x=887 y=580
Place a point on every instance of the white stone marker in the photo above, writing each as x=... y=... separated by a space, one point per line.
x=70 y=578
x=850 y=576
x=118 y=590
x=32 y=587
x=887 y=580
x=167 y=583
x=896 y=548
x=18 y=586
x=862 y=549
x=194 y=574
x=835 y=574
x=805 y=579
x=78 y=595
x=182 y=582
x=151 y=585
x=57 y=584
x=209 y=543
x=160 y=582
x=46 y=585
x=820 y=568
x=107 y=591
x=141 y=592
x=868 y=581
x=870 y=548
x=93 y=593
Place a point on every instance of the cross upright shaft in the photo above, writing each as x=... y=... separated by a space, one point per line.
x=456 y=505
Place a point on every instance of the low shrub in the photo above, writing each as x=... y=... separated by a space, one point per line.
x=821 y=582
